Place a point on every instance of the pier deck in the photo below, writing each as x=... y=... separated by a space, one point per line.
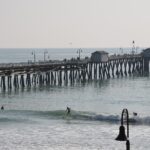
x=68 y=71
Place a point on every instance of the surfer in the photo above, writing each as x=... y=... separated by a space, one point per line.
x=68 y=110
x=134 y=114
x=134 y=118
x=2 y=107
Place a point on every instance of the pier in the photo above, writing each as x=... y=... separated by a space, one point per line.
x=68 y=72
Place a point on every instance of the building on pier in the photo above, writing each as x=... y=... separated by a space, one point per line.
x=99 y=56
x=146 y=56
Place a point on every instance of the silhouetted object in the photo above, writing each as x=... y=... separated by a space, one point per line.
x=79 y=51
x=2 y=107
x=122 y=136
x=68 y=110
x=134 y=114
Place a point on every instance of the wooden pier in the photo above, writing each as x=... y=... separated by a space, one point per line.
x=21 y=75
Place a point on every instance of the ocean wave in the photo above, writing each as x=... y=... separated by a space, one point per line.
x=79 y=115
x=140 y=120
x=22 y=115
x=8 y=119
x=15 y=115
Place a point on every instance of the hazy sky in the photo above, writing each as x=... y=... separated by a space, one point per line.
x=74 y=23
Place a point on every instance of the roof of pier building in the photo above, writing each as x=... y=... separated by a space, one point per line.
x=146 y=53
x=99 y=56
x=99 y=52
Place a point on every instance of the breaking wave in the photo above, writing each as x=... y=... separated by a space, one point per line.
x=24 y=115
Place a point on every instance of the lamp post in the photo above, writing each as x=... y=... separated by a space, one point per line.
x=122 y=136
x=79 y=51
x=34 y=56
x=121 y=50
x=133 y=47
x=45 y=52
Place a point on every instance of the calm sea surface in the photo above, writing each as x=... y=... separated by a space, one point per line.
x=35 y=118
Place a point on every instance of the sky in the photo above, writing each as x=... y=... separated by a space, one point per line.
x=74 y=23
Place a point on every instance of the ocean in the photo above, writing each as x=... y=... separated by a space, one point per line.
x=35 y=118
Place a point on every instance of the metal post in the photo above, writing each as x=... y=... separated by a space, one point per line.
x=79 y=51
x=122 y=136
x=34 y=56
x=133 y=48
x=45 y=52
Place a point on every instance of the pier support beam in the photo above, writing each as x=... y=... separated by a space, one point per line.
x=9 y=82
x=28 y=80
x=16 y=82
x=146 y=65
x=3 y=84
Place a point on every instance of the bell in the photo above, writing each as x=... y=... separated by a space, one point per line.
x=122 y=135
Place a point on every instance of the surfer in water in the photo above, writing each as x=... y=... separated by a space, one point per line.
x=68 y=110
x=2 y=107
x=134 y=114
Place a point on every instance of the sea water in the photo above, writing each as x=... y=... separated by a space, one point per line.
x=35 y=118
